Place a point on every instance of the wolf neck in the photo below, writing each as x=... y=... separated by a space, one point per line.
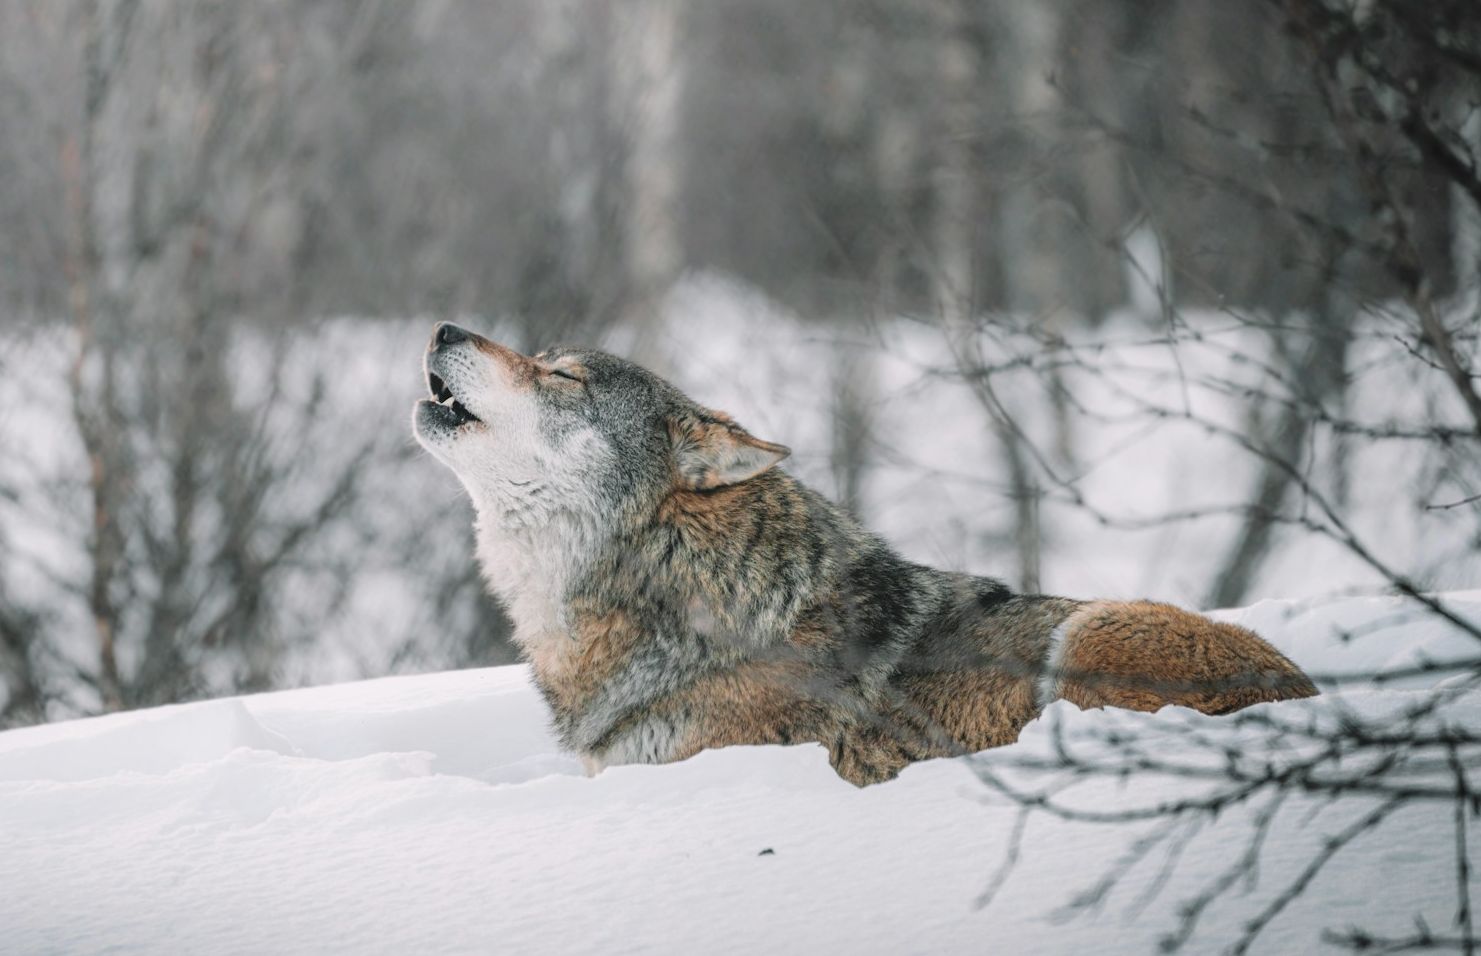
x=530 y=566
x=724 y=574
x=745 y=560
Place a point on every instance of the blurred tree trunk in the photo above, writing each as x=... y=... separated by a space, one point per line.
x=649 y=67
x=895 y=141
x=953 y=176
x=575 y=276
x=1038 y=231
x=1098 y=39
x=22 y=687
x=1466 y=213
x=957 y=210
x=853 y=396
x=1318 y=371
x=1034 y=227
x=97 y=290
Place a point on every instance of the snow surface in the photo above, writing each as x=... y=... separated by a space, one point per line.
x=434 y=813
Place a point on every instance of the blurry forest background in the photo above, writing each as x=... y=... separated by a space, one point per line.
x=1142 y=296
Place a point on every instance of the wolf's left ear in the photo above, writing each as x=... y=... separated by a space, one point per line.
x=712 y=451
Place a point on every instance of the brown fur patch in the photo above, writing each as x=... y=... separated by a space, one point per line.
x=573 y=671
x=1143 y=655
x=705 y=513
x=981 y=686
x=981 y=708
x=733 y=526
x=522 y=369
x=764 y=702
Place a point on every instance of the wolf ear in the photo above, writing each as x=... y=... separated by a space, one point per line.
x=712 y=451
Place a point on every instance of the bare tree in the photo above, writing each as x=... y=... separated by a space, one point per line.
x=183 y=546
x=1392 y=92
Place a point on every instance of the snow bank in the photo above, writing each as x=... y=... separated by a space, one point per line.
x=433 y=813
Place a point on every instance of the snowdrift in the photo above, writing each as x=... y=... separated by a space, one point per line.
x=434 y=813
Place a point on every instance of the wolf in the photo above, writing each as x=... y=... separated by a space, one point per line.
x=674 y=590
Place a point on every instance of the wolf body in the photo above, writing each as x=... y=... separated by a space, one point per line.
x=673 y=590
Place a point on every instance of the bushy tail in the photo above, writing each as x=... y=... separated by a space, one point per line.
x=1142 y=655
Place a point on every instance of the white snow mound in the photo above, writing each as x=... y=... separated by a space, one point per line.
x=435 y=813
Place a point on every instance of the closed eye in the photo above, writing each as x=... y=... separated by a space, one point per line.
x=569 y=376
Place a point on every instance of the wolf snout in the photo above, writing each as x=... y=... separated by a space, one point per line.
x=447 y=334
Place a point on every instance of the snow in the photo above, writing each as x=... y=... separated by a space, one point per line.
x=433 y=813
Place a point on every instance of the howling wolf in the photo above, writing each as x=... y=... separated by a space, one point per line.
x=674 y=590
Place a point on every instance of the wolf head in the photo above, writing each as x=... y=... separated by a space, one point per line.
x=572 y=432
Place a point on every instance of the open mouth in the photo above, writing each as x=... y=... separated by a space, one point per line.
x=455 y=412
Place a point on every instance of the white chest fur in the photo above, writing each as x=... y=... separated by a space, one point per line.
x=531 y=568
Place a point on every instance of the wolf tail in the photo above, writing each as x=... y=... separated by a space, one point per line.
x=1142 y=655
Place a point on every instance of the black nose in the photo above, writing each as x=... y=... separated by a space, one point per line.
x=448 y=334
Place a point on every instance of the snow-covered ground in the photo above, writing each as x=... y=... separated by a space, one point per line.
x=433 y=813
